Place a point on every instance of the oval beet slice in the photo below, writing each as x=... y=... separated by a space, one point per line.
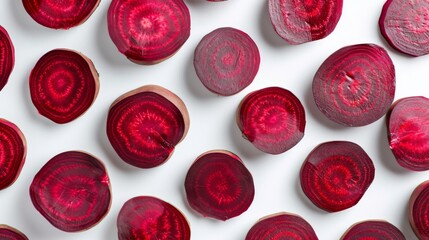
x=301 y=21
x=226 y=61
x=63 y=85
x=408 y=132
x=151 y=218
x=355 y=86
x=60 y=14
x=72 y=191
x=281 y=226
x=145 y=125
x=374 y=230
x=148 y=32
x=218 y=185
x=10 y=233
x=272 y=119
x=418 y=210
x=7 y=57
x=335 y=175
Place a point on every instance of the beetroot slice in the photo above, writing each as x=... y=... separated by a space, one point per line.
x=148 y=32
x=373 y=230
x=10 y=233
x=63 y=85
x=355 y=86
x=145 y=125
x=281 y=226
x=226 y=61
x=72 y=191
x=219 y=186
x=408 y=132
x=335 y=175
x=7 y=57
x=301 y=21
x=60 y=14
x=418 y=211
x=272 y=119
x=146 y=217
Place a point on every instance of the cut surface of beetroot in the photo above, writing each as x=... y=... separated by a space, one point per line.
x=147 y=217
x=408 y=132
x=301 y=21
x=60 y=14
x=72 y=191
x=272 y=119
x=148 y=32
x=145 y=125
x=226 y=61
x=7 y=57
x=282 y=226
x=10 y=233
x=355 y=86
x=63 y=85
x=219 y=186
x=373 y=230
x=335 y=175
x=418 y=211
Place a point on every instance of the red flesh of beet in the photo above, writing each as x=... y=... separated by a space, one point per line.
x=7 y=57
x=408 y=132
x=373 y=230
x=355 y=86
x=148 y=32
x=218 y=185
x=146 y=217
x=272 y=119
x=63 y=85
x=281 y=226
x=418 y=211
x=300 y=21
x=10 y=233
x=146 y=124
x=72 y=191
x=336 y=175
x=226 y=61
x=60 y=14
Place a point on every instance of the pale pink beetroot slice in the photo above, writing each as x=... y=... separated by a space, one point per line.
x=63 y=85
x=335 y=175
x=281 y=226
x=145 y=125
x=10 y=233
x=226 y=61
x=408 y=132
x=60 y=14
x=151 y=218
x=7 y=57
x=419 y=211
x=355 y=86
x=72 y=191
x=373 y=230
x=219 y=186
x=301 y=21
x=148 y=32
x=272 y=119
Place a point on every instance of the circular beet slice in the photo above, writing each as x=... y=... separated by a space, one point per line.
x=335 y=175
x=60 y=14
x=272 y=119
x=63 y=85
x=419 y=211
x=219 y=186
x=145 y=125
x=408 y=132
x=355 y=86
x=148 y=32
x=281 y=226
x=10 y=233
x=7 y=57
x=301 y=21
x=226 y=61
x=146 y=217
x=373 y=230
x=72 y=191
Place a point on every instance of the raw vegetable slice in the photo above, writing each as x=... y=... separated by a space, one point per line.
x=418 y=211
x=374 y=230
x=7 y=57
x=10 y=233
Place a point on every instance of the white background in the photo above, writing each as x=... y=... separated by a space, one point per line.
x=212 y=120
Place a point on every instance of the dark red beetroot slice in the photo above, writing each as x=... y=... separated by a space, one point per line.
x=335 y=175
x=408 y=132
x=148 y=32
x=300 y=21
x=151 y=218
x=218 y=185
x=419 y=211
x=72 y=191
x=226 y=61
x=145 y=125
x=281 y=226
x=373 y=230
x=63 y=85
x=355 y=86
x=10 y=233
x=272 y=119
x=60 y=14
x=7 y=57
